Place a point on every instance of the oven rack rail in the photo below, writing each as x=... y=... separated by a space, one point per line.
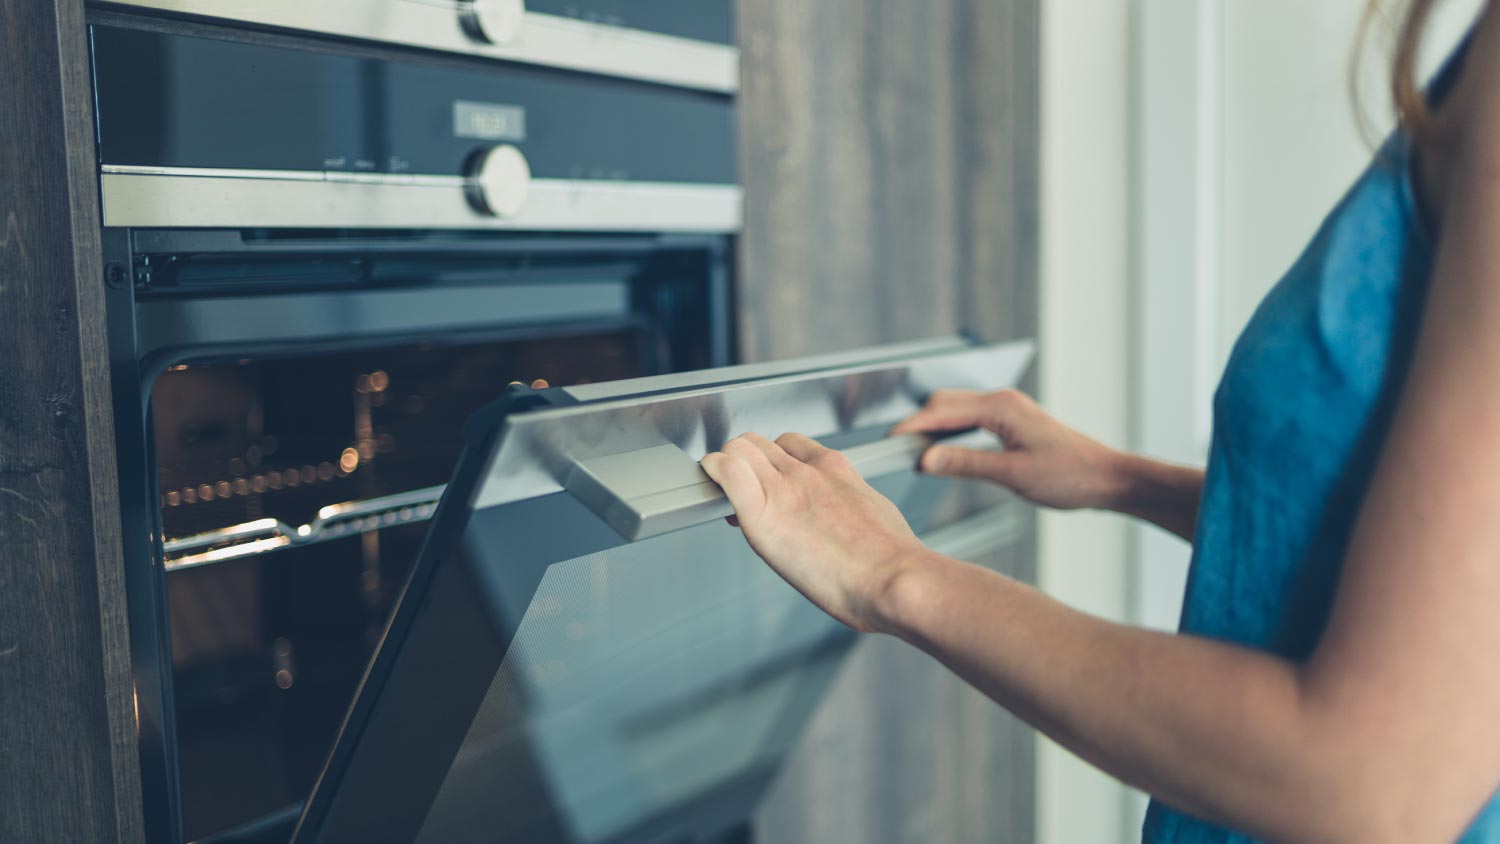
x=332 y=522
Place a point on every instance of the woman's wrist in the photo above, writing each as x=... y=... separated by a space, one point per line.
x=1165 y=494
x=1120 y=481
x=896 y=606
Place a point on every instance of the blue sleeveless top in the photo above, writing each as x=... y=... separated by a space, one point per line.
x=1299 y=420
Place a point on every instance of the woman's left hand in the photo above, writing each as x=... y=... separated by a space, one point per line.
x=809 y=514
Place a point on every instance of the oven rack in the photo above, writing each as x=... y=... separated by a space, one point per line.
x=333 y=522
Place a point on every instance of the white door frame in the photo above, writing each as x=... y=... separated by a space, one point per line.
x=1178 y=209
x=1179 y=70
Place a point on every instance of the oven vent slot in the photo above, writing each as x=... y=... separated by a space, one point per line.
x=333 y=522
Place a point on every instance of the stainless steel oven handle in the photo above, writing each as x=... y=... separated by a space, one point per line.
x=657 y=490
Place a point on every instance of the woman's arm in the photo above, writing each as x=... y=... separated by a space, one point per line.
x=1389 y=732
x=1050 y=464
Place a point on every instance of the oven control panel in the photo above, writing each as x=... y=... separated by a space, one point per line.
x=687 y=43
x=207 y=131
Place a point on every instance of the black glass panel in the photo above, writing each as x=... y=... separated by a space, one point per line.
x=649 y=693
x=180 y=101
x=267 y=649
x=544 y=680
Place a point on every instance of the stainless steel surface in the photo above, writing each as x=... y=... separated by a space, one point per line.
x=231 y=321
x=500 y=182
x=660 y=489
x=265 y=535
x=892 y=352
x=548 y=40
x=493 y=21
x=201 y=198
x=538 y=450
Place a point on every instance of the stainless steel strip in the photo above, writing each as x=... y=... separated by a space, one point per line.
x=185 y=324
x=455 y=182
x=222 y=173
x=264 y=535
x=540 y=449
x=547 y=40
x=769 y=369
x=184 y=198
x=661 y=489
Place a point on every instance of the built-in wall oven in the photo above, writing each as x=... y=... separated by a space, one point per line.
x=377 y=593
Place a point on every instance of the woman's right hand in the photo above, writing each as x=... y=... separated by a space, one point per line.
x=1044 y=461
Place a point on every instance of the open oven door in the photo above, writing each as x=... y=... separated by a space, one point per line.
x=585 y=652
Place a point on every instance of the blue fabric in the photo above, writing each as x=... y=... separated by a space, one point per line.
x=1299 y=420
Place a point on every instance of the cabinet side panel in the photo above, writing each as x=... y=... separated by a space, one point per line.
x=889 y=157
x=66 y=725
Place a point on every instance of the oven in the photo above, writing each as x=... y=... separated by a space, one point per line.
x=364 y=566
x=297 y=434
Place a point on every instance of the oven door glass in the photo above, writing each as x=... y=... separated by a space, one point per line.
x=585 y=651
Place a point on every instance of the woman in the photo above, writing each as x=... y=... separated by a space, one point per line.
x=1337 y=677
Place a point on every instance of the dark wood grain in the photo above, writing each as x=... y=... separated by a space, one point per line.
x=68 y=764
x=889 y=155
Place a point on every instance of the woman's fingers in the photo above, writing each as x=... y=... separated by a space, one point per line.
x=804 y=448
x=739 y=481
x=755 y=458
x=951 y=417
x=773 y=452
x=956 y=462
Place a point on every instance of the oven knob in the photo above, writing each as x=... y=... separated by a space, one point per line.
x=499 y=179
x=494 y=21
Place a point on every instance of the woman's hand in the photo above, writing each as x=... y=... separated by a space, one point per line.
x=1044 y=461
x=809 y=514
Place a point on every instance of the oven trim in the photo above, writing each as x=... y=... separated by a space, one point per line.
x=546 y=40
x=184 y=327
x=186 y=197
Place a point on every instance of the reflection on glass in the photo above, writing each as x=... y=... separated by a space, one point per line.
x=650 y=690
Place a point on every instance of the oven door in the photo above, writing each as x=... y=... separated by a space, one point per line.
x=585 y=652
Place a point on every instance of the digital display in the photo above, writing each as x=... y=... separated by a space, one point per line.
x=488 y=121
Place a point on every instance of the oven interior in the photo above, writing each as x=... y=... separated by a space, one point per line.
x=293 y=483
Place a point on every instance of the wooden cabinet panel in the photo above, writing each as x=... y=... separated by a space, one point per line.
x=70 y=770
x=889 y=155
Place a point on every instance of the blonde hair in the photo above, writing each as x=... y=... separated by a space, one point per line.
x=1408 y=19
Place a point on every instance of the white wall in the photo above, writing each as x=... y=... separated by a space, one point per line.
x=1083 y=345
x=1292 y=145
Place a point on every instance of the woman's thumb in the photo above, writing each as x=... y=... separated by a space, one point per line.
x=956 y=462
